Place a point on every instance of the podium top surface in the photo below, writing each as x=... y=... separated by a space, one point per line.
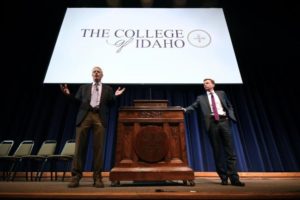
x=150 y=103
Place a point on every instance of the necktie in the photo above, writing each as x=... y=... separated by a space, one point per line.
x=214 y=107
x=95 y=96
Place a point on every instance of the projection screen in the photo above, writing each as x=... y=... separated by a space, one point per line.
x=144 y=46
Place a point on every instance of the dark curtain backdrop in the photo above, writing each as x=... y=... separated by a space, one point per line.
x=265 y=37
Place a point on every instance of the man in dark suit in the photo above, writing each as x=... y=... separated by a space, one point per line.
x=94 y=101
x=216 y=111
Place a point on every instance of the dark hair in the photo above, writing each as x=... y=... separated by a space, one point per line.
x=209 y=79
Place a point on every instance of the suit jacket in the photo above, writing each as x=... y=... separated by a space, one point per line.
x=84 y=96
x=202 y=104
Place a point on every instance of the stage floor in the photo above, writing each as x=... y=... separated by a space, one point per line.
x=205 y=188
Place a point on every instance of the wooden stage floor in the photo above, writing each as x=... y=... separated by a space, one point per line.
x=258 y=186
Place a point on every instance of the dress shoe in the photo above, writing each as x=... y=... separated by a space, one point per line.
x=237 y=183
x=224 y=182
x=74 y=182
x=98 y=183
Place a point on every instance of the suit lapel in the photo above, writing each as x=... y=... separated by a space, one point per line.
x=205 y=101
x=89 y=91
x=220 y=97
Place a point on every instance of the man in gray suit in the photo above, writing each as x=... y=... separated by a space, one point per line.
x=216 y=111
x=94 y=98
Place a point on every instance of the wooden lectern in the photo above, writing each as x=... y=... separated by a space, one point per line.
x=151 y=144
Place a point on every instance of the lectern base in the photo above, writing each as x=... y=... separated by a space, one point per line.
x=151 y=174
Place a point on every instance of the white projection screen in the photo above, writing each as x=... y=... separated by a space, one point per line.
x=144 y=46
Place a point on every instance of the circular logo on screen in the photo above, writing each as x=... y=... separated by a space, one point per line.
x=199 y=38
x=151 y=144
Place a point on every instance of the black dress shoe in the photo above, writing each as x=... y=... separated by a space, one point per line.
x=224 y=182
x=74 y=182
x=238 y=183
x=98 y=183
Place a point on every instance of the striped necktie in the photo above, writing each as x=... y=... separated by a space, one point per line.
x=95 y=95
x=214 y=107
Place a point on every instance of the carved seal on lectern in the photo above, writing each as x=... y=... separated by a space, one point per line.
x=151 y=144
